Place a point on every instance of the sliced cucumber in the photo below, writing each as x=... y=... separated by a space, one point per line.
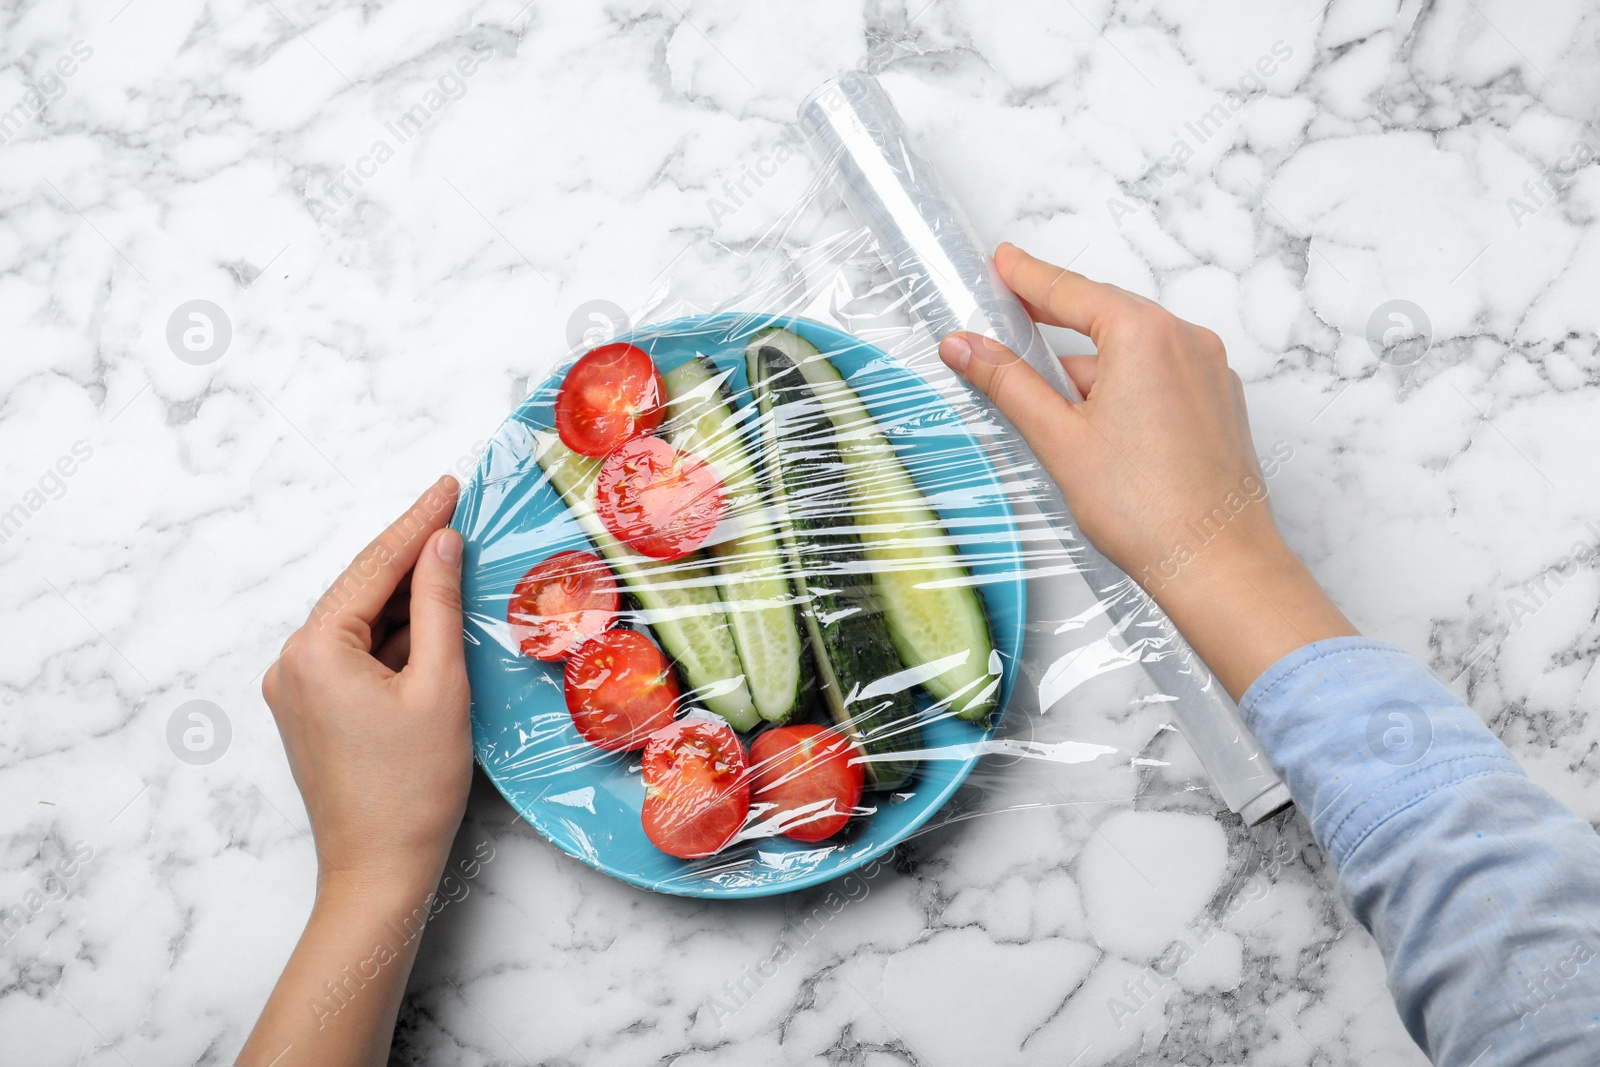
x=756 y=593
x=849 y=638
x=934 y=611
x=678 y=598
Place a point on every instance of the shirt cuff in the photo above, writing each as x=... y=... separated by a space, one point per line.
x=1360 y=731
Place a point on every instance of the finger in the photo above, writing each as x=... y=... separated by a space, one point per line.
x=1057 y=296
x=1032 y=404
x=436 y=656
x=361 y=592
x=1082 y=371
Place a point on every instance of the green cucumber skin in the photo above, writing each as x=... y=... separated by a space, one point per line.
x=690 y=624
x=849 y=638
x=751 y=565
x=932 y=608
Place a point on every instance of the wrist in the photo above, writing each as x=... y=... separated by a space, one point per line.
x=1229 y=565
x=1246 y=605
x=384 y=892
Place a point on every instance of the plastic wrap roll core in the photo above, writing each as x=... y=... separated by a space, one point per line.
x=951 y=284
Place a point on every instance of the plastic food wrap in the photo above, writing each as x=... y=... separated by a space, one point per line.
x=951 y=284
x=757 y=590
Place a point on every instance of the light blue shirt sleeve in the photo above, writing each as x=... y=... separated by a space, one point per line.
x=1480 y=888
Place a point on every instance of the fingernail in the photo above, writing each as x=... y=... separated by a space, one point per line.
x=449 y=547
x=956 y=353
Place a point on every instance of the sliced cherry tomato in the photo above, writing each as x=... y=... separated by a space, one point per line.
x=657 y=500
x=696 y=788
x=560 y=604
x=811 y=777
x=612 y=393
x=620 y=689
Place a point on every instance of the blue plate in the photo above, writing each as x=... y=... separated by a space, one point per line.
x=587 y=801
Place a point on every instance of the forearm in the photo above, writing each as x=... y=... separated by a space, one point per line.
x=336 y=1001
x=1481 y=890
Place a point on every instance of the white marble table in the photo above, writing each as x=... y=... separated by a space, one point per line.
x=167 y=522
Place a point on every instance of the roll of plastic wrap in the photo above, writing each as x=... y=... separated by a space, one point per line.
x=922 y=233
x=951 y=283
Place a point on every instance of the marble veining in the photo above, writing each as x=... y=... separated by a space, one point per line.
x=405 y=212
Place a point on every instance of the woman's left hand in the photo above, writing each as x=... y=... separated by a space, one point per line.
x=371 y=699
x=370 y=696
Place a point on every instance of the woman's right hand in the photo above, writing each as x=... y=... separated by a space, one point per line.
x=1157 y=465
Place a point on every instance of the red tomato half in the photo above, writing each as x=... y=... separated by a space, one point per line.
x=810 y=775
x=620 y=689
x=657 y=500
x=560 y=604
x=611 y=394
x=696 y=788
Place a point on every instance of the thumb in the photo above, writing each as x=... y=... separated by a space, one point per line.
x=1032 y=404
x=436 y=655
